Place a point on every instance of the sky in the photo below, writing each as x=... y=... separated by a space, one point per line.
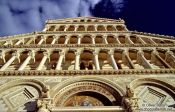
x=25 y=16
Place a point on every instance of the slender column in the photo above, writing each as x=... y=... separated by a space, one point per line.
x=8 y=42
x=168 y=54
x=162 y=60
x=76 y=27
x=79 y=40
x=170 y=58
x=95 y=27
x=27 y=60
x=45 y=29
x=46 y=55
x=85 y=28
x=59 y=63
x=129 y=40
x=2 y=55
x=152 y=41
x=141 y=40
x=67 y=40
x=128 y=59
x=105 y=26
x=54 y=40
x=77 y=60
x=30 y=41
x=19 y=41
x=41 y=41
x=93 y=39
x=10 y=61
x=141 y=58
x=66 y=27
x=111 y=53
x=105 y=39
x=96 y=60
x=117 y=39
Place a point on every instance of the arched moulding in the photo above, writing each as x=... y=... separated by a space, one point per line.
x=154 y=82
x=93 y=88
x=154 y=93
x=21 y=95
x=41 y=87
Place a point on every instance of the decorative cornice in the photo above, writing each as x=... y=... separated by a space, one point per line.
x=87 y=72
x=83 y=32
x=91 y=23
x=85 y=45
x=98 y=18
x=154 y=35
x=18 y=36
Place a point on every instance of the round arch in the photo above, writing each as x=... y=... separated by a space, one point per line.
x=39 y=86
x=154 y=82
x=83 y=84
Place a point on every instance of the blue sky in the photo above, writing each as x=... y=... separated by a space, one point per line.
x=23 y=16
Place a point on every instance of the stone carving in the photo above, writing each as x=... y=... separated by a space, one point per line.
x=43 y=105
x=130 y=102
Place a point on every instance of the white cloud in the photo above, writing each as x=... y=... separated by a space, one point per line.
x=21 y=16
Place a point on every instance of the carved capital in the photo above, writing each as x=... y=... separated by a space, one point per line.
x=43 y=105
x=131 y=104
x=77 y=53
x=46 y=53
x=111 y=52
x=31 y=53
x=16 y=54
x=62 y=53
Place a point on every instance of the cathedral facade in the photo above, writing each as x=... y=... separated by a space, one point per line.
x=87 y=64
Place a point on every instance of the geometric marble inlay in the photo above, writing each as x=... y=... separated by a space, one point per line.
x=152 y=96
x=18 y=98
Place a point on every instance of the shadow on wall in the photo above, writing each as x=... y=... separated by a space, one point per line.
x=30 y=106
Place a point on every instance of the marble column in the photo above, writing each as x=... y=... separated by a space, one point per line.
x=41 y=41
x=77 y=60
x=128 y=59
x=117 y=40
x=141 y=40
x=105 y=39
x=30 y=41
x=27 y=60
x=17 y=43
x=79 y=40
x=152 y=41
x=54 y=39
x=111 y=54
x=10 y=61
x=93 y=39
x=66 y=27
x=161 y=60
x=95 y=53
x=60 y=60
x=169 y=54
x=95 y=27
x=67 y=40
x=170 y=58
x=128 y=40
x=2 y=55
x=143 y=60
x=46 y=55
x=8 y=42
x=76 y=27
